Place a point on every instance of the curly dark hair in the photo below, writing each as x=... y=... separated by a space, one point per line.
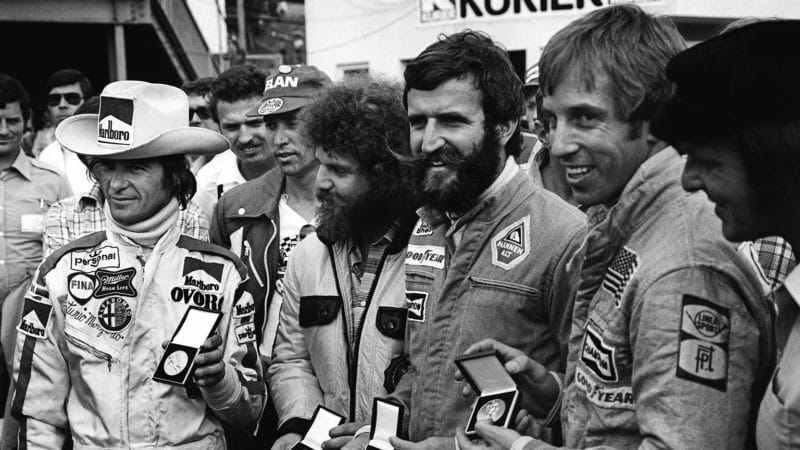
x=472 y=53
x=11 y=91
x=236 y=83
x=177 y=176
x=364 y=119
x=199 y=87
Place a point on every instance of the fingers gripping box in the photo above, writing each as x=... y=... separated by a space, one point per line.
x=497 y=391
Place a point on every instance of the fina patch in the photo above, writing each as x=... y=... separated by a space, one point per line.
x=81 y=286
x=118 y=282
x=35 y=316
x=598 y=356
x=604 y=396
x=270 y=106
x=512 y=244
x=619 y=273
x=422 y=229
x=425 y=255
x=114 y=314
x=91 y=260
x=192 y=264
x=703 y=343
x=415 y=302
x=246 y=306
x=245 y=333
x=115 y=122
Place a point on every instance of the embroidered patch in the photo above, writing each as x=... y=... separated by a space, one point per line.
x=115 y=122
x=211 y=301
x=91 y=260
x=598 y=356
x=114 y=314
x=270 y=106
x=422 y=229
x=604 y=396
x=245 y=306
x=425 y=255
x=245 y=333
x=80 y=286
x=512 y=244
x=415 y=301
x=35 y=316
x=118 y=282
x=704 y=335
x=193 y=264
x=619 y=272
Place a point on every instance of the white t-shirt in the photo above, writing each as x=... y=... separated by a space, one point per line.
x=293 y=229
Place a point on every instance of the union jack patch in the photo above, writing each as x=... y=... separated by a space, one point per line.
x=619 y=272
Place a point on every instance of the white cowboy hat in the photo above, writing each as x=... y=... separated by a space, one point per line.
x=138 y=120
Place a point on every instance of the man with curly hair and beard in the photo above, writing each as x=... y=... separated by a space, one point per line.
x=350 y=274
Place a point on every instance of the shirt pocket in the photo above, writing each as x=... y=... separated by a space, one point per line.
x=319 y=310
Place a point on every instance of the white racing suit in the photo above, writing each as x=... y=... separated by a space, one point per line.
x=90 y=340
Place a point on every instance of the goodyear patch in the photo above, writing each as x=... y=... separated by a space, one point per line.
x=35 y=316
x=115 y=122
x=703 y=345
x=119 y=282
x=422 y=229
x=91 y=260
x=609 y=397
x=425 y=255
x=245 y=333
x=599 y=357
x=415 y=303
x=245 y=306
x=512 y=244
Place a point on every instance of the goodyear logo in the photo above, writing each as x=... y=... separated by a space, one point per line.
x=425 y=255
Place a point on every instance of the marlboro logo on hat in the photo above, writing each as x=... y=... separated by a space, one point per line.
x=115 y=122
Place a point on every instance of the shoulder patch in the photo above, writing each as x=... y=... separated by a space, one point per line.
x=703 y=346
x=89 y=241
x=620 y=272
x=245 y=333
x=197 y=245
x=512 y=244
x=415 y=303
x=35 y=316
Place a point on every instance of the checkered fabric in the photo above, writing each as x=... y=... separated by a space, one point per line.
x=775 y=257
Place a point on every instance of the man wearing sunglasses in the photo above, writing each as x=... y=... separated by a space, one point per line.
x=199 y=115
x=67 y=89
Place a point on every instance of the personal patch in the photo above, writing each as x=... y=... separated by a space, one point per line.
x=115 y=122
x=91 y=260
x=512 y=244
x=604 y=396
x=619 y=273
x=80 y=286
x=193 y=264
x=270 y=106
x=114 y=314
x=425 y=255
x=703 y=349
x=422 y=229
x=118 y=282
x=246 y=306
x=598 y=356
x=35 y=316
x=245 y=333
x=415 y=301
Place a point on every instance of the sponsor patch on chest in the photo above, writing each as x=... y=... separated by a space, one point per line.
x=211 y=268
x=512 y=244
x=598 y=356
x=619 y=273
x=425 y=255
x=91 y=260
x=110 y=282
x=114 y=314
x=704 y=336
x=422 y=229
x=415 y=302
x=604 y=396
x=35 y=316
x=245 y=333
x=245 y=306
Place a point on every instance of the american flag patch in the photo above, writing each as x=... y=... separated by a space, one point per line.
x=622 y=268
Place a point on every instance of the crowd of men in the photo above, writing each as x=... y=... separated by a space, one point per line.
x=205 y=267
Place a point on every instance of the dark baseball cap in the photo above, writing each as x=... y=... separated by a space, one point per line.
x=289 y=89
x=742 y=77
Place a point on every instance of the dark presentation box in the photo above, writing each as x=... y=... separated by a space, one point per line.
x=497 y=391
x=178 y=360
x=322 y=422
x=387 y=418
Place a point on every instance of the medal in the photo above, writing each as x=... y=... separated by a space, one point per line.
x=492 y=410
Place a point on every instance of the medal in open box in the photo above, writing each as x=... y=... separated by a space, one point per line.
x=497 y=391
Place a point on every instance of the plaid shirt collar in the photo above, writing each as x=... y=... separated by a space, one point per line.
x=92 y=198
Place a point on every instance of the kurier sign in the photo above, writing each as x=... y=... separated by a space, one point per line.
x=439 y=11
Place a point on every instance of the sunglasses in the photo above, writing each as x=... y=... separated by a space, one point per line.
x=202 y=112
x=71 y=98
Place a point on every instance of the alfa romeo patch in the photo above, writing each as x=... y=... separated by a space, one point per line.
x=512 y=244
x=114 y=314
x=704 y=336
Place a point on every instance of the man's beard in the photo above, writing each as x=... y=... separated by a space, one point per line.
x=342 y=219
x=473 y=174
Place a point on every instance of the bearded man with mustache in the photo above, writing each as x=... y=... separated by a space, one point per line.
x=349 y=275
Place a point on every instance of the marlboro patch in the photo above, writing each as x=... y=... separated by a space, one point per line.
x=245 y=306
x=512 y=244
x=115 y=124
x=118 y=282
x=35 y=316
x=193 y=264
x=703 y=343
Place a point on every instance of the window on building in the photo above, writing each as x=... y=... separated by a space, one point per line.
x=353 y=70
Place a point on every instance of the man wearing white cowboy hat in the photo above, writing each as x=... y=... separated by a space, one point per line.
x=100 y=308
